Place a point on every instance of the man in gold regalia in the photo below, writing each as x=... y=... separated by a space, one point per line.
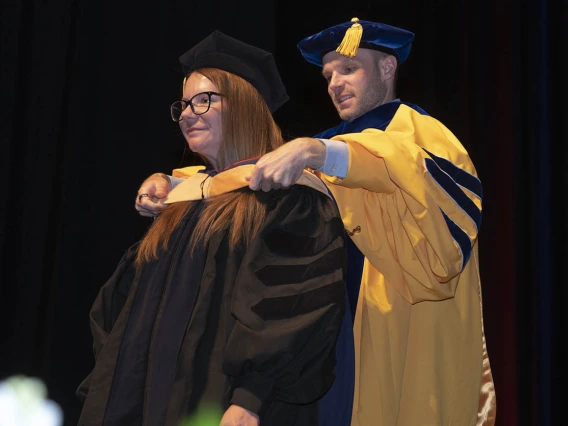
x=410 y=201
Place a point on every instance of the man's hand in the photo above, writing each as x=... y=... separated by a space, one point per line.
x=239 y=416
x=149 y=201
x=282 y=167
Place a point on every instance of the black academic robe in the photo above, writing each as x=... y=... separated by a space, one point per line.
x=254 y=326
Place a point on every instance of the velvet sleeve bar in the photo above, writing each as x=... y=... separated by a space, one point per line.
x=288 y=302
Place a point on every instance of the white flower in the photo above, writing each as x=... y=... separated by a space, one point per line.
x=23 y=403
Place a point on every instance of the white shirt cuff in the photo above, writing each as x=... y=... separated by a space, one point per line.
x=175 y=181
x=336 y=158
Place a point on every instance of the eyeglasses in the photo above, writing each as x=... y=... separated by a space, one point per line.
x=199 y=104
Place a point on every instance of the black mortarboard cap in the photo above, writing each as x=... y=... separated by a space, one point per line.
x=255 y=65
x=347 y=37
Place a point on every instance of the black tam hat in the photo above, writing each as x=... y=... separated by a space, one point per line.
x=255 y=65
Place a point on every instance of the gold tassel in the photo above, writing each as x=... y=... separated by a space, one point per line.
x=351 y=40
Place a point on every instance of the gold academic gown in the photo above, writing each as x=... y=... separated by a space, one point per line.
x=420 y=347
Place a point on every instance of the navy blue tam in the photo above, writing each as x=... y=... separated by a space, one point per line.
x=347 y=37
x=255 y=65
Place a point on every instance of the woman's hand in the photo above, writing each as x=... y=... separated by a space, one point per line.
x=239 y=416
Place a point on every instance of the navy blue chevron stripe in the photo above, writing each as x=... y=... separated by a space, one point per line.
x=460 y=176
x=460 y=237
x=454 y=191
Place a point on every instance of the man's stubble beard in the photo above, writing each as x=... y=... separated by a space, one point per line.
x=372 y=95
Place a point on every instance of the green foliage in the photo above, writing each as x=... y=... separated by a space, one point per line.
x=206 y=415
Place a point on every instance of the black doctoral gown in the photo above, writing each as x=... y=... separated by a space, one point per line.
x=254 y=326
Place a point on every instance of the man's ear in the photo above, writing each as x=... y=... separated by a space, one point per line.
x=388 y=67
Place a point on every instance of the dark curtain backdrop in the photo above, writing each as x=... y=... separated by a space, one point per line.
x=85 y=88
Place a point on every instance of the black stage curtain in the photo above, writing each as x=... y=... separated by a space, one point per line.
x=85 y=90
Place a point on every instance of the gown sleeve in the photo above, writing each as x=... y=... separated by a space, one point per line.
x=107 y=306
x=417 y=197
x=288 y=301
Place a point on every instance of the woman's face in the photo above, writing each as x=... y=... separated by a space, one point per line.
x=204 y=132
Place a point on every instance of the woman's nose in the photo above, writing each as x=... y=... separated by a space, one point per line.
x=187 y=113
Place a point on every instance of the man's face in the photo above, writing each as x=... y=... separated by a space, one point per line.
x=354 y=84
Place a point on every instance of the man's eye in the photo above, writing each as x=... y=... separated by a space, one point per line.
x=350 y=70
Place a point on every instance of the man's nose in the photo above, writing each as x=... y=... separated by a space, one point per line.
x=335 y=82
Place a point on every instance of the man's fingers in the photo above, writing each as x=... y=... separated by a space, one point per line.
x=261 y=180
x=160 y=188
x=151 y=194
x=156 y=186
x=148 y=210
x=148 y=189
x=147 y=206
x=274 y=172
x=266 y=185
x=143 y=211
x=142 y=196
x=255 y=179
